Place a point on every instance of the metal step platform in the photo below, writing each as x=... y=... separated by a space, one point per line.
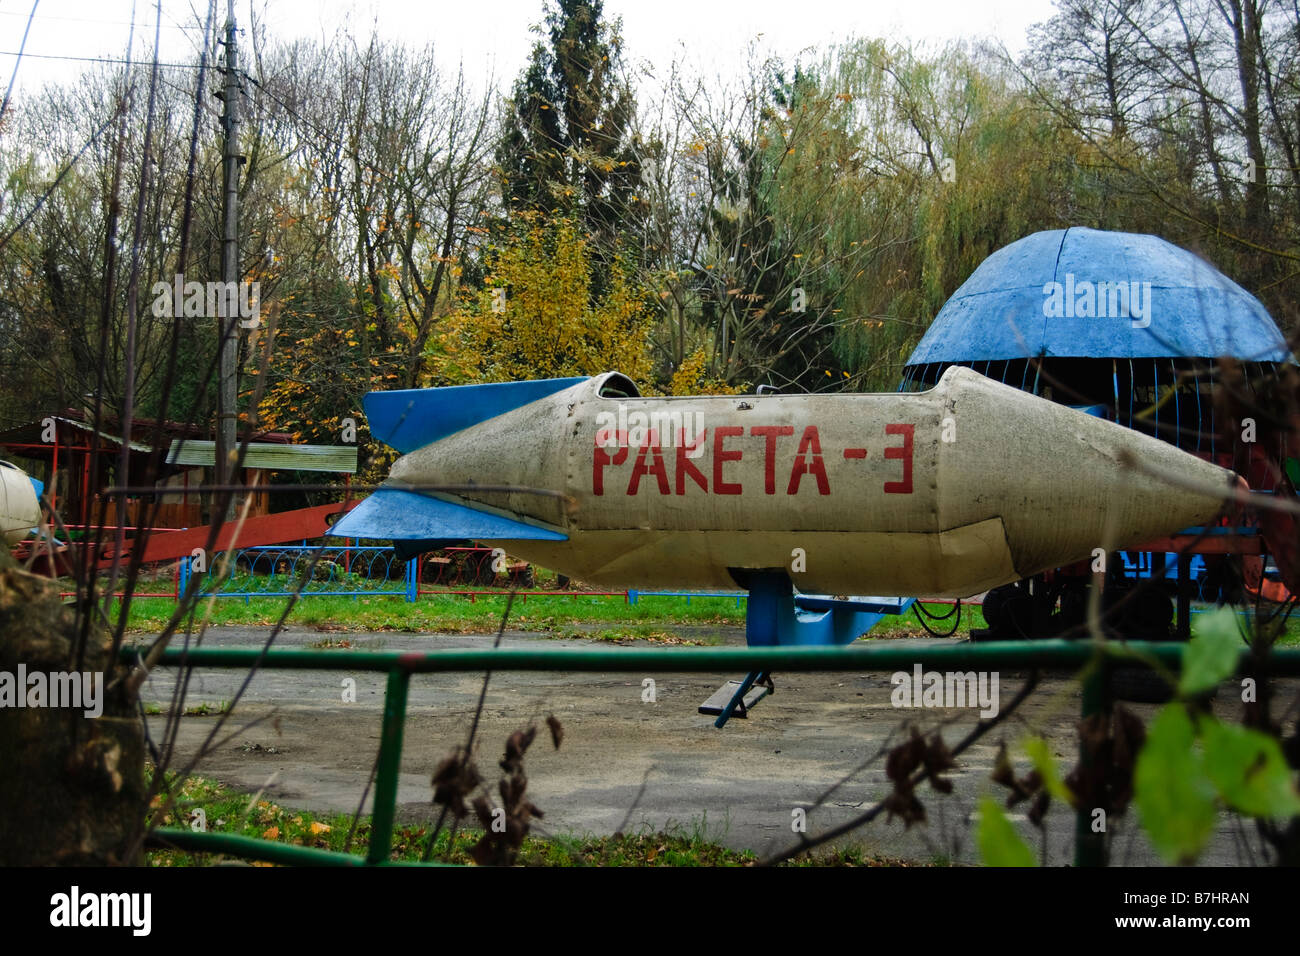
x=735 y=697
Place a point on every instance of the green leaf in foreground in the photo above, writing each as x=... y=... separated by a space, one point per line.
x=1041 y=756
x=1174 y=797
x=1248 y=769
x=1211 y=655
x=1000 y=844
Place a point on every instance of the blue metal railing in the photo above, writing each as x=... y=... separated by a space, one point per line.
x=634 y=595
x=279 y=570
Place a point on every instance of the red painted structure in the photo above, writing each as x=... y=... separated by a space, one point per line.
x=57 y=450
x=265 y=529
x=61 y=444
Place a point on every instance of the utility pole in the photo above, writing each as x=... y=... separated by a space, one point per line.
x=228 y=325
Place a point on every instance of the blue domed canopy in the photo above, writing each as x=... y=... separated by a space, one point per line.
x=1087 y=293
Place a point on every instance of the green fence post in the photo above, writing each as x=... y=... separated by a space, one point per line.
x=390 y=765
x=1089 y=846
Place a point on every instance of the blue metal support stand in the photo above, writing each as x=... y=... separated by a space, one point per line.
x=412 y=581
x=776 y=616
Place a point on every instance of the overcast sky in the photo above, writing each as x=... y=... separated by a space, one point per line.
x=493 y=34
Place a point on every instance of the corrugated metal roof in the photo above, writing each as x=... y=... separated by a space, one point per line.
x=332 y=458
x=1031 y=298
x=116 y=439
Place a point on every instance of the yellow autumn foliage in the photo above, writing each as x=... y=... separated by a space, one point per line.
x=691 y=378
x=535 y=316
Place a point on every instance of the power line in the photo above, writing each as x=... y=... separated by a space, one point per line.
x=116 y=23
x=98 y=59
x=22 y=46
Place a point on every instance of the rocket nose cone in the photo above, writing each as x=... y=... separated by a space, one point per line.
x=1152 y=490
x=517 y=448
x=1067 y=483
x=1202 y=480
x=1179 y=487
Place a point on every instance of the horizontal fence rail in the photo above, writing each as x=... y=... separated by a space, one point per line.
x=349 y=570
x=1023 y=654
x=400 y=666
x=633 y=595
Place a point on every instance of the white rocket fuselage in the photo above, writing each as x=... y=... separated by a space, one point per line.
x=952 y=491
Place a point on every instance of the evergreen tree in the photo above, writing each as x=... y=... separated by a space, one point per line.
x=568 y=149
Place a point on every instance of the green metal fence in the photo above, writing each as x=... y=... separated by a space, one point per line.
x=1091 y=658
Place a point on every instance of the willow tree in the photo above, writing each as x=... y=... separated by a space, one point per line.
x=955 y=162
x=747 y=258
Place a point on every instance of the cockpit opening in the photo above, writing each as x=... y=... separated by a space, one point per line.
x=617 y=385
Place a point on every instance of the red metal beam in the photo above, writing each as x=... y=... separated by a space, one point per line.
x=267 y=529
x=54 y=471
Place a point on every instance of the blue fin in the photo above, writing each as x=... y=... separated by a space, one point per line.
x=412 y=418
x=404 y=515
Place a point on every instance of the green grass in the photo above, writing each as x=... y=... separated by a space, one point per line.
x=562 y=615
x=447 y=613
x=577 y=616
x=202 y=709
x=207 y=709
x=229 y=811
x=1291 y=636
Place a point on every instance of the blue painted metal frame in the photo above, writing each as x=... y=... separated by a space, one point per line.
x=776 y=616
x=634 y=595
x=282 y=582
x=1178 y=416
